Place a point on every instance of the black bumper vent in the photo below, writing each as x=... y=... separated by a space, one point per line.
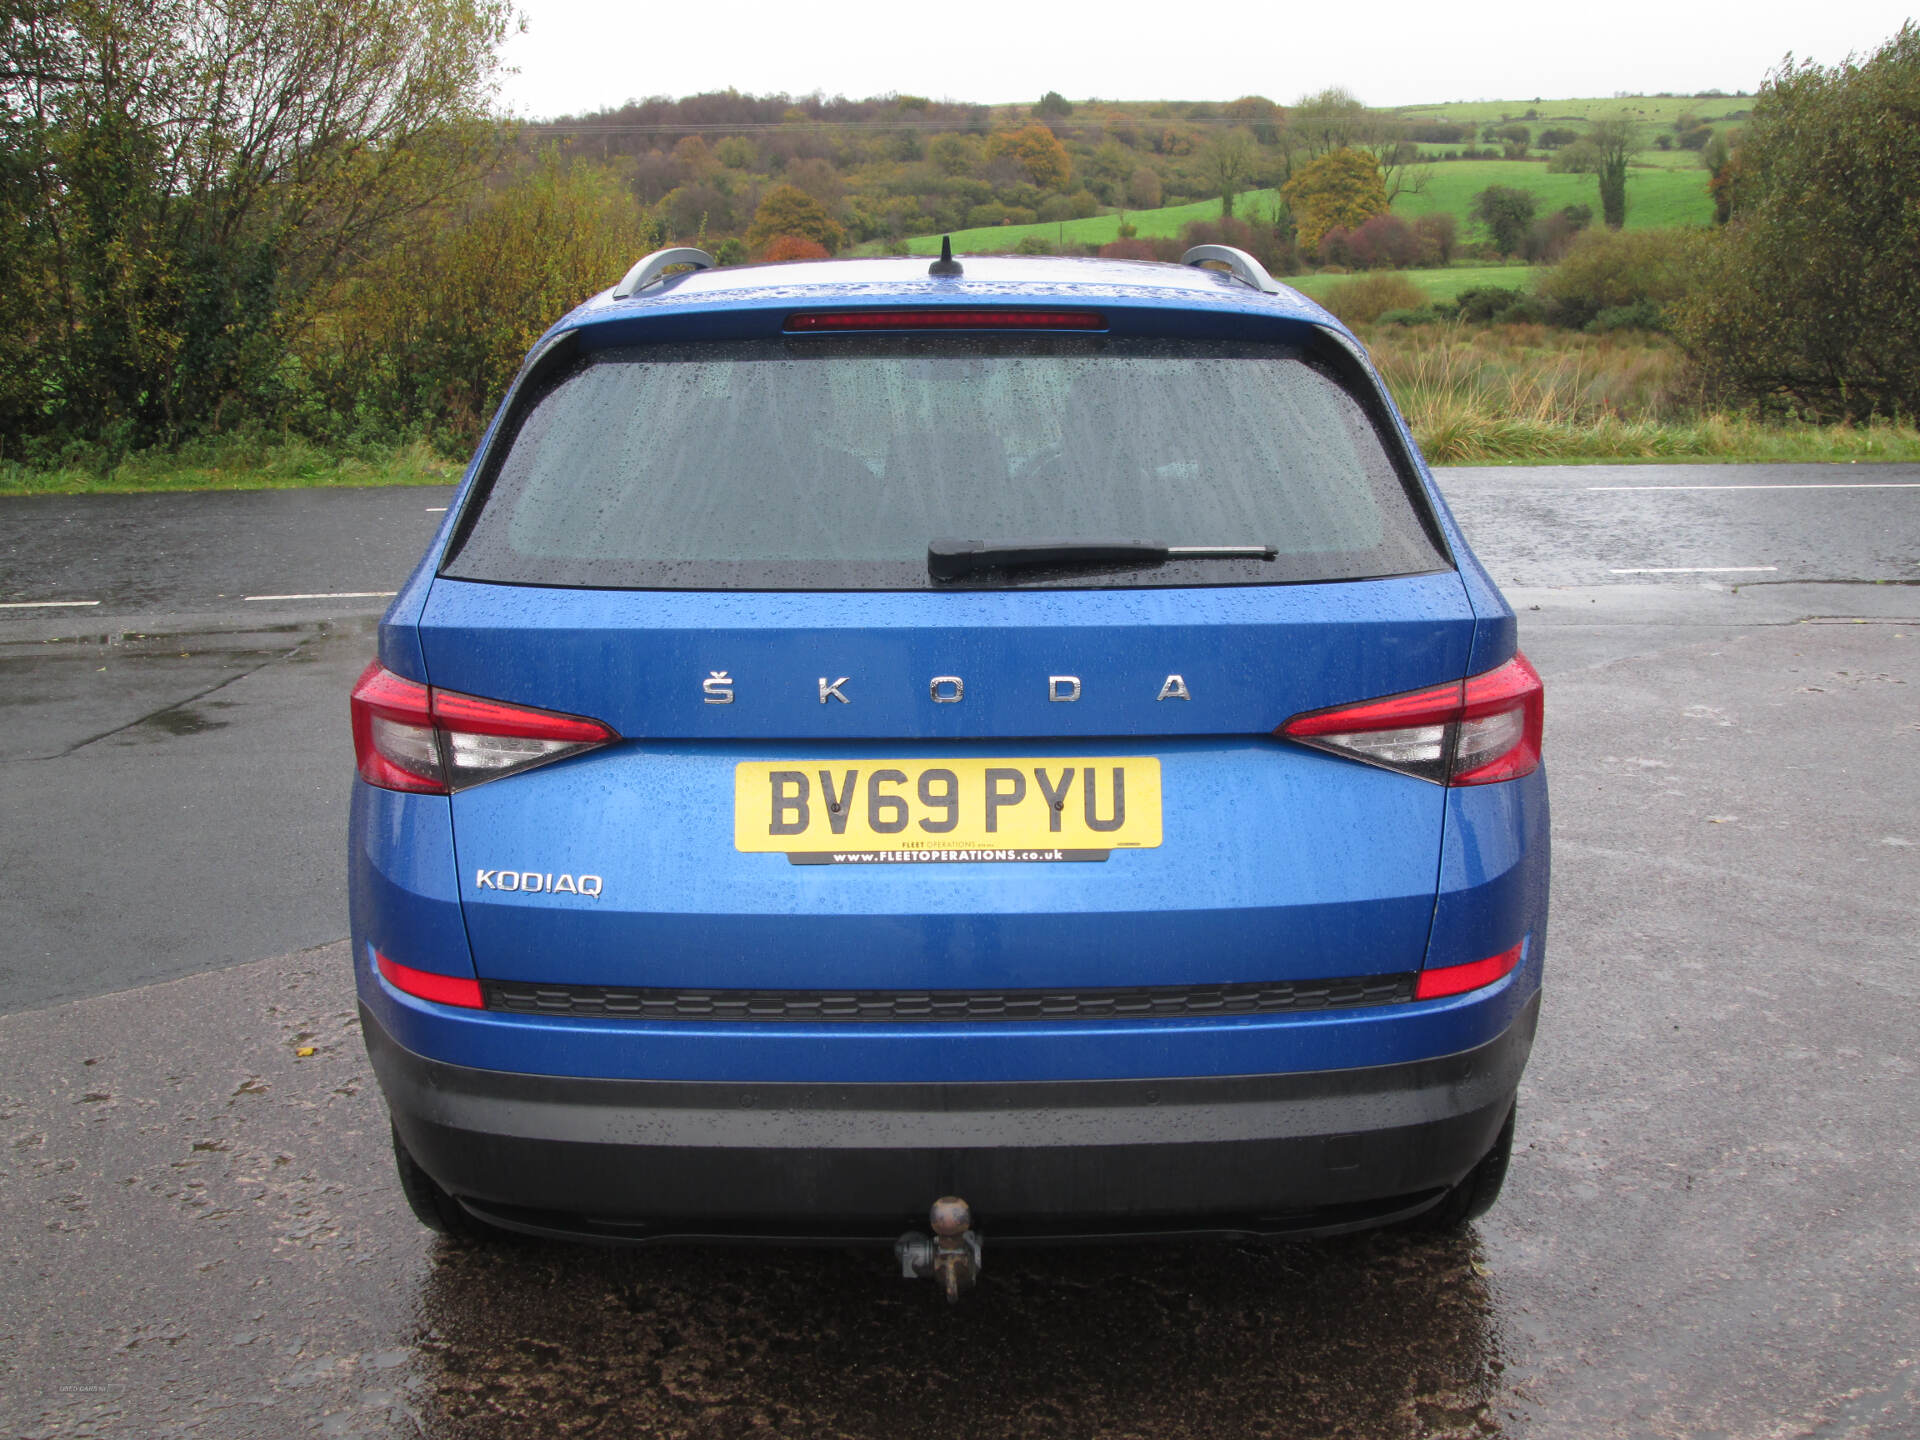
x=897 y=1006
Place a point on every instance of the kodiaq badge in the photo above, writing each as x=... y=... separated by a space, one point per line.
x=533 y=882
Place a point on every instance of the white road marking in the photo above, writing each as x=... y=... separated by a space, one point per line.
x=1697 y=570
x=333 y=595
x=436 y=509
x=43 y=604
x=1817 y=485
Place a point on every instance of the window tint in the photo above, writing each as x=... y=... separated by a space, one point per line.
x=830 y=463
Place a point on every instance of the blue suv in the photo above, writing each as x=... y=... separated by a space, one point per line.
x=1020 y=729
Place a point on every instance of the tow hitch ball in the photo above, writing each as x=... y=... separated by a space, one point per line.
x=952 y=1256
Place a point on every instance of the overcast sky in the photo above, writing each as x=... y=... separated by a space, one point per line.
x=582 y=55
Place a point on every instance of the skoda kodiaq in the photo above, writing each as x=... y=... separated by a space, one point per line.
x=1019 y=729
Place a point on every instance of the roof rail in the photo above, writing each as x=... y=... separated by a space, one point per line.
x=651 y=267
x=1238 y=262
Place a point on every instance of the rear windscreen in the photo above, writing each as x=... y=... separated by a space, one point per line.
x=829 y=463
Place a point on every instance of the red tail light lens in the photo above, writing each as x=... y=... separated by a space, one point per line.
x=441 y=989
x=946 y=318
x=1475 y=732
x=1458 y=979
x=409 y=736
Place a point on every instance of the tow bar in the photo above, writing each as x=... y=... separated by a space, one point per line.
x=952 y=1256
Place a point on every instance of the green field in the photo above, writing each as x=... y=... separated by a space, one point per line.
x=1094 y=230
x=1438 y=284
x=1647 y=109
x=1657 y=196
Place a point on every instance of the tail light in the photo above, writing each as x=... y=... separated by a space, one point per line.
x=429 y=985
x=1459 y=979
x=1470 y=732
x=409 y=736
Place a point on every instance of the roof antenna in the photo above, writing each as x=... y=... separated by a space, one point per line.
x=946 y=264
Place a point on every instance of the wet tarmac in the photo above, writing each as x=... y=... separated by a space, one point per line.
x=1709 y=1229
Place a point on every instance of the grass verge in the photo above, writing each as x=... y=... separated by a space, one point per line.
x=235 y=463
x=1527 y=395
x=1446 y=284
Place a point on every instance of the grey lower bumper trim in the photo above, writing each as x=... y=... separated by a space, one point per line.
x=653 y=1157
x=723 y=1115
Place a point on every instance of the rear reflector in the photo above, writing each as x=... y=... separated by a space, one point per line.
x=1470 y=732
x=441 y=989
x=409 y=736
x=1458 y=979
x=946 y=318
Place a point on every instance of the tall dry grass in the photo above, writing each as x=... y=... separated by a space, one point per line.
x=1524 y=392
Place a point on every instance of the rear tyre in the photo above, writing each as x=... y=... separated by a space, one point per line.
x=1477 y=1190
x=432 y=1206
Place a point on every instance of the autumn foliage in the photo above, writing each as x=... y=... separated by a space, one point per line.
x=1342 y=189
x=788 y=211
x=1039 y=152
x=793 y=247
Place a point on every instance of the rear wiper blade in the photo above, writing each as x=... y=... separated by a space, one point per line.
x=951 y=559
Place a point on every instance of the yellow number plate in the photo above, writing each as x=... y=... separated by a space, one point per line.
x=855 y=811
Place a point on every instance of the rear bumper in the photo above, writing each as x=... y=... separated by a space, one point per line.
x=621 y=1159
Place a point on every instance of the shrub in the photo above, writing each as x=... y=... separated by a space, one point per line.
x=1508 y=215
x=1810 y=293
x=1483 y=302
x=1607 y=269
x=1033 y=245
x=1363 y=301
x=1425 y=315
x=1438 y=234
x=793 y=247
x=1386 y=242
x=1549 y=238
x=1258 y=241
x=1159 y=248
x=1554 y=139
x=1640 y=315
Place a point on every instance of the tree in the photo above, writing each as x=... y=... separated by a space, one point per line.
x=1328 y=120
x=1053 y=106
x=1508 y=215
x=1037 y=150
x=1143 y=188
x=431 y=331
x=1603 y=152
x=184 y=179
x=789 y=210
x=1717 y=158
x=1810 y=293
x=1342 y=189
x=1229 y=160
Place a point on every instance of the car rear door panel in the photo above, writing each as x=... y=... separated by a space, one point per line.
x=1275 y=862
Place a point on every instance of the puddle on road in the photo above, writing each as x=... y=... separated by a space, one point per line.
x=1377 y=1336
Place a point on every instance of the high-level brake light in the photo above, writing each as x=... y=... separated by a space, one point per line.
x=409 y=736
x=1472 y=732
x=946 y=317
